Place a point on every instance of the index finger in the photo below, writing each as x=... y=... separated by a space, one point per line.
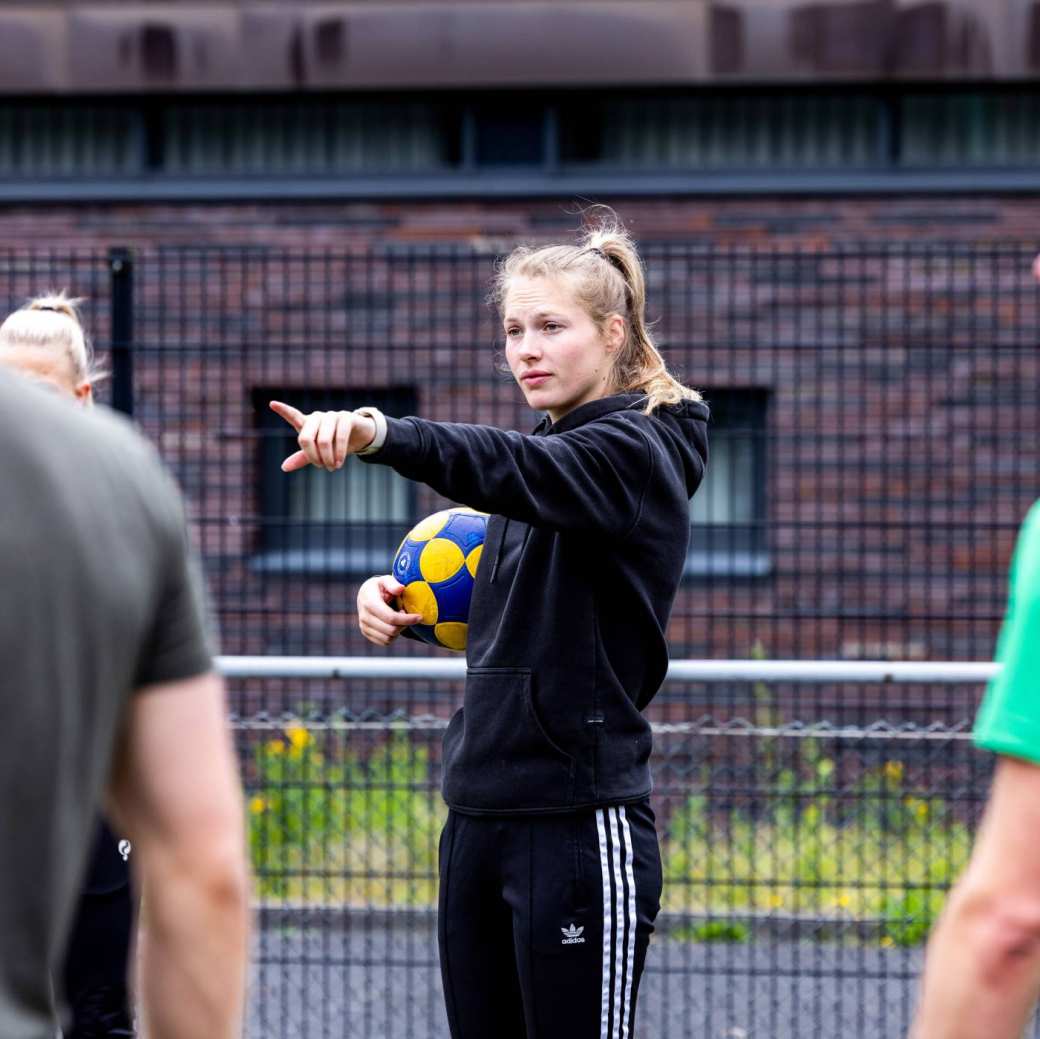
x=293 y=416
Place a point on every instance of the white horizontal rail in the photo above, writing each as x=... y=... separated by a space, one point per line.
x=445 y=669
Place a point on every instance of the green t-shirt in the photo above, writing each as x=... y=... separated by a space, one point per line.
x=1009 y=718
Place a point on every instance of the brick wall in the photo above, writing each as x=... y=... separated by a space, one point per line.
x=902 y=440
x=760 y=221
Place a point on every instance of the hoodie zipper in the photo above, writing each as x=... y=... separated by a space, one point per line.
x=498 y=550
x=502 y=544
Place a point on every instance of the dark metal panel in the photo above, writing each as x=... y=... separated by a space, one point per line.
x=1033 y=36
x=272 y=47
x=878 y=40
x=32 y=49
x=154 y=47
x=843 y=38
x=525 y=44
x=937 y=39
x=726 y=40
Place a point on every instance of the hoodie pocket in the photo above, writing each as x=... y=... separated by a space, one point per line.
x=499 y=754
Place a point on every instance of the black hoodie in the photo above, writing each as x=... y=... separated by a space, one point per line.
x=582 y=560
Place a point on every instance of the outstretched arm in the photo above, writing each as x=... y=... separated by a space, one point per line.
x=590 y=478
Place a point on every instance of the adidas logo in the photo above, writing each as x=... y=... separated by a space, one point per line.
x=572 y=935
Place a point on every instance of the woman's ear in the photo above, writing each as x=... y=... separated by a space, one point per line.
x=614 y=333
x=84 y=392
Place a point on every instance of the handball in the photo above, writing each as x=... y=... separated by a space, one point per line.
x=437 y=563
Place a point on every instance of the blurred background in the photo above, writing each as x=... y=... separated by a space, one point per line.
x=837 y=206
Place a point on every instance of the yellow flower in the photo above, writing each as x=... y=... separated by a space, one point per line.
x=275 y=747
x=893 y=770
x=298 y=736
x=843 y=901
x=775 y=901
x=257 y=804
x=922 y=809
x=887 y=942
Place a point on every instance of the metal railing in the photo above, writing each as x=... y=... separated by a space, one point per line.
x=443 y=669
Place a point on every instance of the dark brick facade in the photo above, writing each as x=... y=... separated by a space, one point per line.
x=740 y=221
x=903 y=433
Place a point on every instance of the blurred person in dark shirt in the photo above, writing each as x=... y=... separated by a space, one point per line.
x=45 y=341
x=107 y=682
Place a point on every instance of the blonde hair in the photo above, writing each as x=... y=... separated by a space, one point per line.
x=606 y=275
x=52 y=322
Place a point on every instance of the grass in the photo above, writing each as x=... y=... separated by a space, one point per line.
x=328 y=826
x=890 y=862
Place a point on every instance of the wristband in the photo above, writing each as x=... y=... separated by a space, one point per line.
x=380 y=438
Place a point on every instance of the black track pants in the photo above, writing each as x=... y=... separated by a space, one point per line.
x=98 y=953
x=545 y=921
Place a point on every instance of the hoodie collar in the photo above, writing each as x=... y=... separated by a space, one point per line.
x=592 y=409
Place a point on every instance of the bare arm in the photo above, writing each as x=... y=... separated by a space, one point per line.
x=175 y=787
x=982 y=971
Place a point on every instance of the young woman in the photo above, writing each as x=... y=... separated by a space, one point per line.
x=550 y=869
x=45 y=341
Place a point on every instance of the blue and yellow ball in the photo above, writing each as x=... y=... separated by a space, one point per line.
x=437 y=563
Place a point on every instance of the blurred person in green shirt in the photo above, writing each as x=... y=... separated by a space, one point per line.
x=982 y=968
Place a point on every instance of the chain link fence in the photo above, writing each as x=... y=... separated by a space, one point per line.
x=804 y=861
x=875 y=444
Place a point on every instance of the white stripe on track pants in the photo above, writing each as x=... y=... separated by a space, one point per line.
x=545 y=921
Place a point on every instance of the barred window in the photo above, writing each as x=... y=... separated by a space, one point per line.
x=171 y=140
x=313 y=137
x=728 y=512
x=984 y=129
x=350 y=521
x=40 y=139
x=726 y=131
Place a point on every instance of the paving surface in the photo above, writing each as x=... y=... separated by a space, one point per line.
x=366 y=979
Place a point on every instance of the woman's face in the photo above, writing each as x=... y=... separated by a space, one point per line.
x=51 y=370
x=555 y=351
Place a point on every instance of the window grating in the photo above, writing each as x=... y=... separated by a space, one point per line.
x=746 y=131
x=42 y=140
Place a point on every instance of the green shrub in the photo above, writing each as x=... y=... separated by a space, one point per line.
x=328 y=825
x=909 y=916
x=714 y=931
x=888 y=859
x=325 y=825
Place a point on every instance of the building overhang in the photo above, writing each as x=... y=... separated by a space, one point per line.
x=91 y=47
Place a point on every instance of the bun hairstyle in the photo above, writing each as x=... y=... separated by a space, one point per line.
x=606 y=275
x=51 y=322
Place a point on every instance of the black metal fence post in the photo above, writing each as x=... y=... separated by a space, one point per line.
x=121 y=268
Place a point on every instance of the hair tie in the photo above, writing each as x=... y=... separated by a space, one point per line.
x=599 y=252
